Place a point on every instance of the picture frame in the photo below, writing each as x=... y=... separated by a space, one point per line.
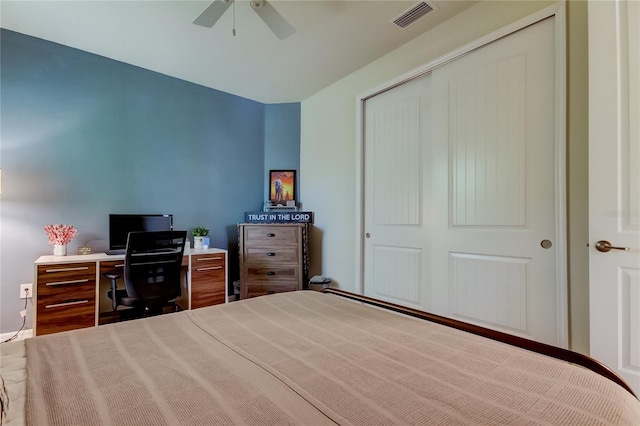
x=282 y=186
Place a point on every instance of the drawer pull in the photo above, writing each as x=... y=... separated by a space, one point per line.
x=209 y=269
x=208 y=258
x=271 y=273
x=80 y=268
x=60 y=305
x=271 y=253
x=271 y=235
x=271 y=292
x=67 y=282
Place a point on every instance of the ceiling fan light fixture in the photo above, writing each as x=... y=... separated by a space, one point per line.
x=212 y=13
x=269 y=15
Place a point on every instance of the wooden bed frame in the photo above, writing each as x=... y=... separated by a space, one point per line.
x=541 y=348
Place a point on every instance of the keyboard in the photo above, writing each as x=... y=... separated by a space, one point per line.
x=113 y=252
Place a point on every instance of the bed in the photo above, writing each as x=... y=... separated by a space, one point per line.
x=307 y=358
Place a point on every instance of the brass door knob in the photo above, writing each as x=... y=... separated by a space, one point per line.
x=605 y=246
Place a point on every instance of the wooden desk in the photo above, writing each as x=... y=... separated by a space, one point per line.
x=70 y=291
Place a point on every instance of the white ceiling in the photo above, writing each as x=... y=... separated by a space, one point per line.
x=333 y=38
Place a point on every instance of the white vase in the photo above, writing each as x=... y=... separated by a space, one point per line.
x=59 y=249
x=198 y=242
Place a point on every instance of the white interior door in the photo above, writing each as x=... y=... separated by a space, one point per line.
x=614 y=185
x=497 y=241
x=396 y=165
x=461 y=182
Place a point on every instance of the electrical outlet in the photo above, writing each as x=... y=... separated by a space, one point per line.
x=25 y=291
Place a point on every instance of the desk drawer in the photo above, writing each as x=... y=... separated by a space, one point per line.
x=112 y=266
x=207 y=293
x=66 y=272
x=208 y=279
x=60 y=293
x=70 y=315
x=60 y=282
x=204 y=262
x=65 y=297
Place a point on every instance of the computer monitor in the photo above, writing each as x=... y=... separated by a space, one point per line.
x=121 y=224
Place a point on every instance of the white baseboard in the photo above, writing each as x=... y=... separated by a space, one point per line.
x=24 y=334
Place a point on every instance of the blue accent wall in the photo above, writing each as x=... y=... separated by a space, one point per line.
x=83 y=136
x=282 y=141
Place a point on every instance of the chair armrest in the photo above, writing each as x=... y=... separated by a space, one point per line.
x=114 y=287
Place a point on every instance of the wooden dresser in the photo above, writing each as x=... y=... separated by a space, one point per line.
x=271 y=258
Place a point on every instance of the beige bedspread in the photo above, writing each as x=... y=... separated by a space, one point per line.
x=305 y=358
x=13 y=379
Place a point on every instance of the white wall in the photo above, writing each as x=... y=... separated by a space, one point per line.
x=578 y=174
x=328 y=141
x=328 y=135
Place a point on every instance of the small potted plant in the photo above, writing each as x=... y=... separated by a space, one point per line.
x=199 y=232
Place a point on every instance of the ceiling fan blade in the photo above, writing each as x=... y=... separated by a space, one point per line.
x=280 y=27
x=212 y=13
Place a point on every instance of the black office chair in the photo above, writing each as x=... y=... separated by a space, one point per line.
x=152 y=266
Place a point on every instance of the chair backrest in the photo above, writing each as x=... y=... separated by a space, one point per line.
x=152 y=266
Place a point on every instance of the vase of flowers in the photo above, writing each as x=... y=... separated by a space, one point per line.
x=60 y=236
x=199 y=232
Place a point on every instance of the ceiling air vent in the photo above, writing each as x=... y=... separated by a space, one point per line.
x=412 y=14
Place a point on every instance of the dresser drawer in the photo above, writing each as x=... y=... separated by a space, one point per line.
x=271 y=255
x=266 y=235
x=257 y=289
x=258 y=281
x=271 y=273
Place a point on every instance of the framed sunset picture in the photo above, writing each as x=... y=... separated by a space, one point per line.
x=282 y=186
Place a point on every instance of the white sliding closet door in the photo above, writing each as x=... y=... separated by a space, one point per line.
x=461 y=178
x=397 y=184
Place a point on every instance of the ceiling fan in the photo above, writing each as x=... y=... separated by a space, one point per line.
x=280 y=27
